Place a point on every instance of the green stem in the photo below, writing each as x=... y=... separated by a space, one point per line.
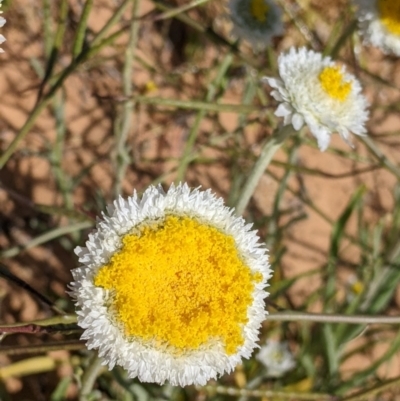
x=48 y=236
x=175 y=11
x=289 y=316
x=24 y=130
x=267 y=152
x=48 y=34
x=12 y=350
x=212 y=90
x=59 y=80
x=195 y=105
x=111 y=22
x=369 y=143
x=89 y=377
x=123 y=123
x=367 y=394
x=54 y=320
x=232 y=391
x=81 y=29
x=6 y=273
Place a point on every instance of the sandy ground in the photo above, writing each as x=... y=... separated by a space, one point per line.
x=156 y=141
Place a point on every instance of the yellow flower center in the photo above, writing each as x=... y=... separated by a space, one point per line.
x=332 y=81
x=259 y=10
x=357 y=287
x=389 y=11
x=277 y=356
x=180 y=283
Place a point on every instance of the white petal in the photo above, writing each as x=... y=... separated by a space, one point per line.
x=283 y=110
x=323 y=138
x=297 y=121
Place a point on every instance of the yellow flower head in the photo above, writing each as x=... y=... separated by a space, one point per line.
x=172 y=286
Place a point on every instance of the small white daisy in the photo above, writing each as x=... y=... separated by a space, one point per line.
x=379 y=22
x=320 y=93
x=256 y=21
x=276 y=357
x=172 y=286
x=2 y=22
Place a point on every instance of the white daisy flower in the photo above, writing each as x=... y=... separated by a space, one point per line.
x=276 y=357
x=256 y=21
x=379 y=22
x=316 y=91
x=172 y=286
x=2 y=22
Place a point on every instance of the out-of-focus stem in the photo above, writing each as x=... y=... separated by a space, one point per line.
x=267 y=153
x=289 y=316
x=123 y=123
x=90 y=376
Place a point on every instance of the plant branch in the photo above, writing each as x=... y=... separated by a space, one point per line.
x=267 y=393
x=332 y=318
x=12 y=350
x=5 y=273
x=267 y=153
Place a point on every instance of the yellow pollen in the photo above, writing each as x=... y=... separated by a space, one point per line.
x=389 y=11
x=277 y=356
x=180 y=283
x=259 y=10
x=357 y=287
x=332 y=82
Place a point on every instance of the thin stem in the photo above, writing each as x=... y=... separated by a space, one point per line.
x=54 y=320
x=24 y=130
x=59 y=80
x=56 y=156
x=4 y=272
x=29 y=366
x=41 y=239
x=266 y=393
x=90 y=376
x=380 y=155
x=62 y=25
x=124 y=122
x=11 y=350
x=174 y=12
x=206 y=31
x=35 y=329
x=81 y=29
x=48 y=34
x=212 y=90
x=293 y=12
x=367 y=394
x=195 y=105
x=52 y=56
x=268 y=151
x=110 y=23
x=332 y=318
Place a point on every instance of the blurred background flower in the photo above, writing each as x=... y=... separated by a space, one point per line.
x=256 y=21
x=276 y=358
x=379 y=22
